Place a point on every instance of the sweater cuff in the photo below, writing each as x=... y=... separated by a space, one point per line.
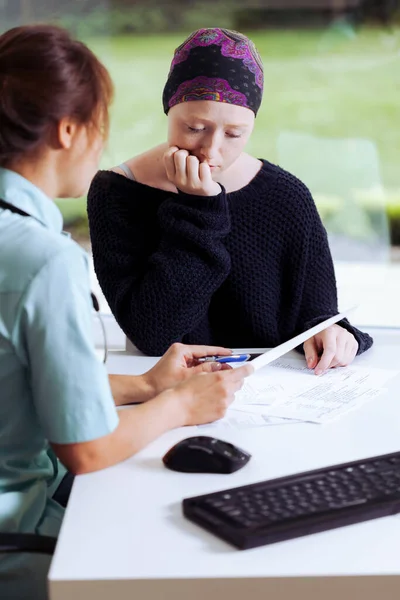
x=364 y=340
x=212 y=203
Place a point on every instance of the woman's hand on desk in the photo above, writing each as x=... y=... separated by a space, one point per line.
x=179 y=363
x=205 y=397
x=200 y=399
x=333 y=347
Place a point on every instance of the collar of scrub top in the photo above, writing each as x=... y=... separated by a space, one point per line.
x=27 y=197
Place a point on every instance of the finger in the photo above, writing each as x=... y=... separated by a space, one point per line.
x=232 y=377
x=234 y=387
x=171 y=151
x=225 y=367
x=328 y=355
x=192 y=170
x=350 y=351
x=354 y=349
x=340 y=359
x=201 y=351
x=241 y=372
x=180 y=165
x=335 y=364
x=230 y=390
x=208 y=367
x=205 y=174
x=169 y=162
x=311 y=352
x=189 y=354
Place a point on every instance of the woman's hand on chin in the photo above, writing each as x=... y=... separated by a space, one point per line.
x=188 y=174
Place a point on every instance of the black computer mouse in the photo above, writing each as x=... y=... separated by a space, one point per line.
x=204 y=454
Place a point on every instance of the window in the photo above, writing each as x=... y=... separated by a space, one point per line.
x=329 y=113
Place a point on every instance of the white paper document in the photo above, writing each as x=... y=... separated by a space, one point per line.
x=288 y=389
x=236 y=420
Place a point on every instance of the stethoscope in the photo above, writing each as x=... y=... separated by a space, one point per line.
x=95 y=302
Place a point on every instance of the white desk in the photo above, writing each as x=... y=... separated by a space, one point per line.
x=124 y=536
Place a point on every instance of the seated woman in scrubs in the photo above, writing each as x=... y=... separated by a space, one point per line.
x=57 y=402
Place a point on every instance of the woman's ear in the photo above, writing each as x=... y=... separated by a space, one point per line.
x=66 y=132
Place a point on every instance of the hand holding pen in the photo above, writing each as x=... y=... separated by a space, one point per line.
x=182 y=361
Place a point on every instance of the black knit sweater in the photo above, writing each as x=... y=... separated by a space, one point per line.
x=247 y=269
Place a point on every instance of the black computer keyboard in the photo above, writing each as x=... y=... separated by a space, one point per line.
x=289 y=507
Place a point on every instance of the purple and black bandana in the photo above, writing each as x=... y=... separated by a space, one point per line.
x=215 y=64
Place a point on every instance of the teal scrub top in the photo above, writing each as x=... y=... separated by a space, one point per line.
x=53 y=388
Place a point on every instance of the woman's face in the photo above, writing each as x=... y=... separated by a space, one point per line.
x=214 y=132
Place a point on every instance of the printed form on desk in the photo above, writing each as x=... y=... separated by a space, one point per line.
x=286 y=391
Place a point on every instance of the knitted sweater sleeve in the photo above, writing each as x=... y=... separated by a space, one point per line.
x=311 y=266
x=157 y=294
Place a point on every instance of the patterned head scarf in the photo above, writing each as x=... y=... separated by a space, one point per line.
x=215 y=64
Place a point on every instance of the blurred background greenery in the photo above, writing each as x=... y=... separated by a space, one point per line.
x=331 y=102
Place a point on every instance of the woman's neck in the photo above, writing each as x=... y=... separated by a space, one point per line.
x=240 y=173
x=38 y=173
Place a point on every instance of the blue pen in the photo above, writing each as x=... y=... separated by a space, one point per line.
x=225 y=359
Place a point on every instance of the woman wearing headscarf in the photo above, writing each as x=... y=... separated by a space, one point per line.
x=197 y=241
